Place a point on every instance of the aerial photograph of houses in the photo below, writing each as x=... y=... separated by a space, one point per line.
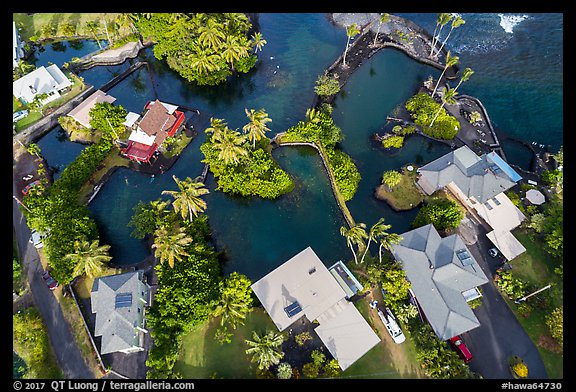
x=294 y=196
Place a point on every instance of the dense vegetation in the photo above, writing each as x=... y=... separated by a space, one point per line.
x=443 y=213
x=202 y=48
x=424 y=109
x=319 y=128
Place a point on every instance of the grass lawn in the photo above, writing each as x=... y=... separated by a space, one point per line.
x=405 y=195
x=537 y=267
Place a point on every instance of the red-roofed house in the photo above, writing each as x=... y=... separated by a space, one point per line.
x=158 y=121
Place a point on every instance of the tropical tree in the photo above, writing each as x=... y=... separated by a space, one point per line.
x=384 y=18
x=377 y=230
x=386 y=241
x=450 y=62
x=235 y=300
x=351 y=31
x=232 y=49
x=92 y=27
x=169 y=244
x=256 y=128
x=88 y=257
x=204 y=61
x=217 y=125
x=448 y=96
x=258 y=41
x=230 y=146
x=265 y=349
x=354 y=236
x=441 y=21
x=187 y=199
x=210 y=34
x=391 y=178
x=456 y=22
x=464 y=78
x=34 y=149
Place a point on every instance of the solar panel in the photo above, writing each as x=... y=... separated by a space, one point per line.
x=123 y=300
x=292 y=309
x=464 y=256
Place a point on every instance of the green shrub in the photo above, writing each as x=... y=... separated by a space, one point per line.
x=423 y=109
x=392 y=141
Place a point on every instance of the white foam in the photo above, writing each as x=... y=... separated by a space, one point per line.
x=509 y=21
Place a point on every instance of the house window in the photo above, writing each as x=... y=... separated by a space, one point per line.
x=496 y=201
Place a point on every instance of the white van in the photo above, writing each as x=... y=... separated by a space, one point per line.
x=36 y=239
x=391 y=325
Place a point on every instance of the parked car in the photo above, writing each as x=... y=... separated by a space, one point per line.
x=493 y=252
x=19 y=115
x=50 y=281
x=36 y=239
x=391 y=325
x=460 y=347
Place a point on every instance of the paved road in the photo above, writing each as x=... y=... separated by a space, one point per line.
x=500 y=334
x=61 y=338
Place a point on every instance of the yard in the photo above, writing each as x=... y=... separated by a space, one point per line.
x=405 y=195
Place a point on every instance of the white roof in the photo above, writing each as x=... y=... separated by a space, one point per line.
x=504 y=216
x=535 y=196
x=140 y=136
x=169 y=108
x=131 y=119
x=81 y=113
x=41 y=80
x=305 y=280
x=506 y=243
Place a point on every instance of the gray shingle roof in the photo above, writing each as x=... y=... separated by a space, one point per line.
x=116 y=321
x=438 y=278
x=474 y=175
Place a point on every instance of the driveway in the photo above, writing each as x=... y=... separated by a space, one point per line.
x=500 y=334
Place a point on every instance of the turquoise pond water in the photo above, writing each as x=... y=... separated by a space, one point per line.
x=258 y=235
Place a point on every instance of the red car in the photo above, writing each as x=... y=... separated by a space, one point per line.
x=50 y=281
x=461 y=348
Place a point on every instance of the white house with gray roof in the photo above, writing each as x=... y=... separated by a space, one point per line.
x=479 y=182
x=119 y=302
x=444 y=277
x=43 y=80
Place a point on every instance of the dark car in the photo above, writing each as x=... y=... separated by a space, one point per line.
x=458 y=344
x=50 y=281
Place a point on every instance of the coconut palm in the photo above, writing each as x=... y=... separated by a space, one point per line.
x=377 y=230
x=234 y=304
x=33 y=149
x=232 y=50
x=351 y=31
x=211 y=34
x=354 y=236
x=187 y=200
x=265 y=349
x=204 y=61
x=256 y=128
x=386 y=241
x=384 y=18
x=441 y=21
x=230 y=145
x=217 y=125
x=169 y=244
x=92 y=27
x=448 y=96
x=391 y=178
x=456 y=22
x=450 y=62
x=258 y=41
x=465 y=76
x=88 y=257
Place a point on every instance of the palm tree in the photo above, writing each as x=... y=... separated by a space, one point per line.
x=378 y=230
x=229 y=143
x=89 y=257
x=456 y=22
x=391 y=178
x=231 y=49
x=187 y=200
x=217 y=125
x=258 y=41
x=448 y=96
x=351 y=31
x=203 y=60
x=266 y=349
x=384 y=18
x=465 y=76
x=33 y=149
x=232 y=311
x=256 y=128
x=169 y=244
x=92 y=26
x=386 y=241
x=450 y=62
x=354 y=236
x=442 y=20
x=211 y=35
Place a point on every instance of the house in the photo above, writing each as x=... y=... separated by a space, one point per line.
x=43 y=80
x=479 y=183
x=303 y=286
x=17 y=46
x=119 y=302
x=158 y=121
x=81 y=113
x=444 y=277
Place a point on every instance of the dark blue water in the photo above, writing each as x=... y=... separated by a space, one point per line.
x=63 y=51
x=518 y=77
